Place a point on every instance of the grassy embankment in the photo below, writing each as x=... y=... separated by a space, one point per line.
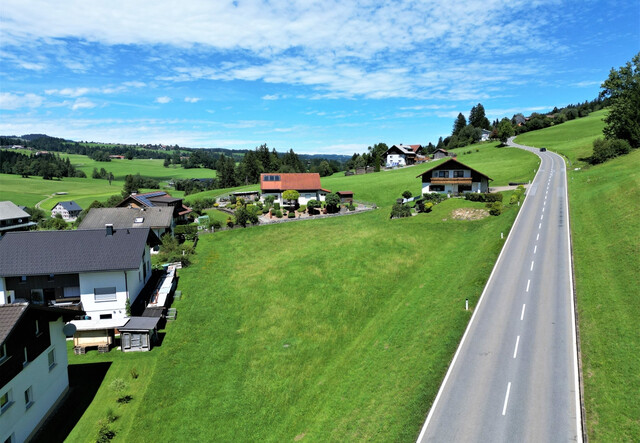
x=334 y=329
x=604 y=204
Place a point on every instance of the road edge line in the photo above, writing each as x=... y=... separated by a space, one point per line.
x=475 y=310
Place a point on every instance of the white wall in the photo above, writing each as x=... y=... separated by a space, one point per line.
x=3 y=292
x=91 y=280
x=396 y=159
x=47 y=386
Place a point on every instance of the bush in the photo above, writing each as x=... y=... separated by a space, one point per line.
x=187 y=232
x=313 y=206
x=514 y=199
x=332 y=202
x=105 y=434
x=399 y=211
x=265 y=211
x=407 y=194
x=216 y=224
x=229 y=222
x=292 y=214
x=278 y=213
x=276 y=205
x=495 y=208
x=434 y=197
x=486 y=197
x=604 y=149
x=302 y=209
x=351 y=207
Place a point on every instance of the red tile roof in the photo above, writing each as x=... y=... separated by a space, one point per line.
x=295 y=181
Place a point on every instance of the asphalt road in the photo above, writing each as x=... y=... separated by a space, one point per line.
x=514 y=375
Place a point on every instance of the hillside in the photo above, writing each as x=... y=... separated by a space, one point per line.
x=604 y=205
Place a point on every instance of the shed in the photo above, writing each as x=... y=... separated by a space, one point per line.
x=345 y=196
x=139 y=334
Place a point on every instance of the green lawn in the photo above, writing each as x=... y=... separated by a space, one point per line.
x=605 y=203
x=333 y=329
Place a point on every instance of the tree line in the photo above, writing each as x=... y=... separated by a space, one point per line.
x=47 y=166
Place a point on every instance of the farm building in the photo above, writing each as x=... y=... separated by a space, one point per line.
x=307 y=184
x=440 y=153
x=453 y=177
x=345 y=196
x=69 y=210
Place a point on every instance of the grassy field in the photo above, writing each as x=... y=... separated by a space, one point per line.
x=604 y=204
x=333 y=329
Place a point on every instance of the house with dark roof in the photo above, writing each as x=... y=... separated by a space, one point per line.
x=453 y=177
x=307 y=184
x=157 y=199
x=33 y=367
x=440 y=153
x=13 y=218
x=401 y=155
x=98 y=270
x=158 y=219
x=69 y=210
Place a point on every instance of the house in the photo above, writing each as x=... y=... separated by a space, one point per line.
x=69 y=210
x=139 y=334
x=485 y=135
x=307 y=184
x=453 y=177
x=13 y=218
x=345 y=196
x=116 y=157
x=159 y=219
x=440 y=153
x=33 y=367
x=98 y=269
x=401 y=155
x=157 y=199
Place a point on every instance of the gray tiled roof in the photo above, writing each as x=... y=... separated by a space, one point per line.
x=126 y=217
x=9 y=316
x=9 y=211
x=69 y=205
x=61 y=252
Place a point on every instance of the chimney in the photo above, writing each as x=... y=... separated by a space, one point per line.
x=109 y=227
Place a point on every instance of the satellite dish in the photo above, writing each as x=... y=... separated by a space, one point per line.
x=69 y=329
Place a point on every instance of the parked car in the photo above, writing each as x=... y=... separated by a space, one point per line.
x=543 y=149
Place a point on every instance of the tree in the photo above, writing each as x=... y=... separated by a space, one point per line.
x=324 y=169
x=244 y=216
x=460 y=123
x=407 y=194
x=440 y=144
x=399 y=211
x=477 y=117
x=505 y=130
x=166 y=162
x=333 y=202
x=292 y=196
x=312 y=206
x=110 y=178
x=623 y=88
x=469 y=135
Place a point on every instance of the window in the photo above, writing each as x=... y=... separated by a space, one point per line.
x=104 y=294
x=436 y=188
x=37 y=296
x=37 y=327
x=458 y=174
x=23 y=279
x=51 y=356
x=28 y=397
x=106 y=316
x=25 y=362
x=50 y=278
x=3 y=352
x=444 y=174
x=5 y=401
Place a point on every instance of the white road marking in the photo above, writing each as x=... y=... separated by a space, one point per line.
x=506 y=399
x=522 y=315
x=535 y=248
x=528 y=283
x=542 y=216
x=538 y=237
x=515 y=351
x=542 y=209
x=531 y=265
x=539 y=225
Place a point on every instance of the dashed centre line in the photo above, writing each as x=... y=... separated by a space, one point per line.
x=538 y=237
x=539 y=225
x=523 y=308
x=515 y=351
x=531 y=266
x=528 y=283
x=506 y=399
x=542 y=216
x=535 y=248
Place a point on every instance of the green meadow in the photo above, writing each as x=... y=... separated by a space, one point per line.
x=604 y=205
x=323 y=330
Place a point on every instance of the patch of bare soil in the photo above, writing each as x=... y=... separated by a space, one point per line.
x=469 y=214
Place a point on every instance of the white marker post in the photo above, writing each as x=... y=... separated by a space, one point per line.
x=466 y=304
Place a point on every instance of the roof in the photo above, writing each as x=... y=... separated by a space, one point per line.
x=458 y=165
x=344 y=192
x=441 y=150
x=308 y=181
x=145 y=198
x=127 y=218
x=405 y=149
x=9 y=210
x=10 y=315
x=140 y=324
x=69 y=205
x=63 y=252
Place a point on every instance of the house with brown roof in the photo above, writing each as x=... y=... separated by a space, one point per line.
x=453 y=177
x=440 y=153
x=401 y=155
x=157 y=199
x=307 y=184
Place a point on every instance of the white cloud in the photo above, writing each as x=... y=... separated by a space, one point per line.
x=270 y=97
x=163 y=99
x=192 y=99
x=10 y=101
x=82 y=103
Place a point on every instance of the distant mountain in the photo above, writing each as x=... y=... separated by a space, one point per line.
x=31 y=137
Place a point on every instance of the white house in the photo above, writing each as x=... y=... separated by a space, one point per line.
x=453 y=177
x=485 y=135
x=401 y=155
x=99 y=268
x=307 y=184
x=33 y=367
x=69 y=210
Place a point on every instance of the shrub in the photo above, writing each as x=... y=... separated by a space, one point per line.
x=313 y=205
x=351 y=207
x=265 y=211
x=486 y=197
x=434 y=197
x=104 y=433
x=399 y=211
x=229 y=222
x=332 y=201
x=407 y=194
x=111 y=416
x=276 y=205
x=495 y=208
x=302 y=209
x=216 y=224
x=118 y=385
x=292 y=214
x=278 y=213
x=514 y=199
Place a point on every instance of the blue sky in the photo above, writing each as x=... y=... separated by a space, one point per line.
x=318 y=77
